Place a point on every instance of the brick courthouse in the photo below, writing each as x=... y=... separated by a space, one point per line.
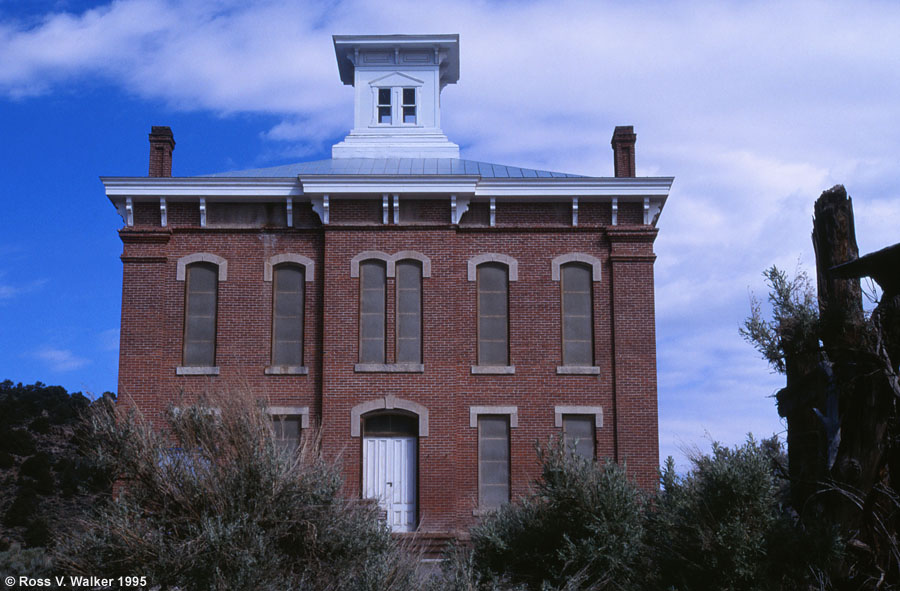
x=435 y=315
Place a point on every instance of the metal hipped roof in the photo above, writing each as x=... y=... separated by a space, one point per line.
x=393 y=166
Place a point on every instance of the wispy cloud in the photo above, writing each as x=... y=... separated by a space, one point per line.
x=9 y=290
x=60 y=360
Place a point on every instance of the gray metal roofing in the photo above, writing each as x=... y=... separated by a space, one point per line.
x=394 y=166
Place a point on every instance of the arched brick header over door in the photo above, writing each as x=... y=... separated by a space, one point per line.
x=492 y=257
x=388 y=403
x=368 y=255
x=202 y=257
x=297 y=259
x=575 y=257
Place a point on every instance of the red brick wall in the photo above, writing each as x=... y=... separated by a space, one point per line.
x=153 y=312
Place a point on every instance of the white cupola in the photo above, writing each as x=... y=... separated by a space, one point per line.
x=397 y=81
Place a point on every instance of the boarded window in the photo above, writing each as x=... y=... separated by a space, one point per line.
x=493 y=460
x=201 y=281
x=287 y=431
x=371 y=311
x=493 y=314
x=409 y=312
x=287 y=315
x=577 y=317
x=578 y=433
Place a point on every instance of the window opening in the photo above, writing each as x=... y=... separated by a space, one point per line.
x=577 y=315
x=409 y=311
x=200 y=314
x=371 y=311
x=409 y=105
x=493 y=314
x=578 y=435
x=287 y=315
x=384 y=105
x=493 y=460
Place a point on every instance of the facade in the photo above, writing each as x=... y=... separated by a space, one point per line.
x=435 y=316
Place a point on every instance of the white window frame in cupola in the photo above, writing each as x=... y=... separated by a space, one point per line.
x=396 y=83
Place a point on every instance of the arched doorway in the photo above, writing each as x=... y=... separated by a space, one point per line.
x=390 y=444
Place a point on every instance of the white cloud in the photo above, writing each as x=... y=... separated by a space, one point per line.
x=755 y=108
x=60 y=360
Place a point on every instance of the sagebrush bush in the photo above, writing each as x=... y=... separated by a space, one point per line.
x=582 y=526
x=210 y=501
x=725 y=525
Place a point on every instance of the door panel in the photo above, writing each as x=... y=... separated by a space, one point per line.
x=389 y=476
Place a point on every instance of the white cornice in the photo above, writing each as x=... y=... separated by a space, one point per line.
x=336 y=184
x=200 y=187
x=575 y=187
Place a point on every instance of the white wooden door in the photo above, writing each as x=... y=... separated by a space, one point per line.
x=389 y=475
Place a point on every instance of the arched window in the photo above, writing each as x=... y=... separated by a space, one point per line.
x=201 y=294
x=493 y=314
x=577 y=315
x=409 y=311
x=372 y=281
x=288 y=295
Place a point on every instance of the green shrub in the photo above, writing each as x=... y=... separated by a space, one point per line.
x=16 y=441
x=35 y=472
x=40 y=425
x=210 y=501
x=583 y=524
x=725 y=526
x=37 y=533
x=16 y=562
x=24 y=505
x=6 y=460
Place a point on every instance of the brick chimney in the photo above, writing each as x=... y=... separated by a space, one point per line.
x=623 y=140
x=161 y=145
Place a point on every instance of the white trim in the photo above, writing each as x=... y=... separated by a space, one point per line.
x=646 y=210
x=298 y=259
x=201 y=257
x=492 y=257
x=163 y=218
x=201 y=187
x=575 y=187
x=202 y=212
x=574 y=211
x=493 y=210
x=320 y=206
x=432 y=183
x=129 y=212
x=615 y=211
x=597 y=411
x=371 y=254
x=575 y=257
x=384 y=208
x=458 y=207
x=289 y=204
x=287 y=411
x=396 y=209
x=512 y=411
x=388 y=403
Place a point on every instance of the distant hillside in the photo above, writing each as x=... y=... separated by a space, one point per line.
x=45 y=481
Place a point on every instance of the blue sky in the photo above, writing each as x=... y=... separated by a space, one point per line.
x=755 y=108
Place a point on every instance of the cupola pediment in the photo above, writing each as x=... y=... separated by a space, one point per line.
x=396 y=79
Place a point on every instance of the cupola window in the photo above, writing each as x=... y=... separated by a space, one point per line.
x=384 y=106
x=409 y=105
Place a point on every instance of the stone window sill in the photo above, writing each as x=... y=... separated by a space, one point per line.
x=196 y=370
x=578 y=370
x=287 y=370
x=493 y=369
x=389 y=368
